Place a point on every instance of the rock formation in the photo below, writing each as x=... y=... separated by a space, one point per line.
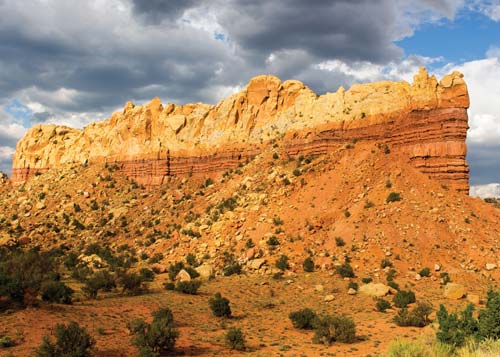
x=426 y=120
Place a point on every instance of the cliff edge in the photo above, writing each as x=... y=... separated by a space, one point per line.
x=426 y=119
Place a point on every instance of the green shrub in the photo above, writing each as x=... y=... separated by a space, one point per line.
x=382 y=305
x=132 y=283
x=393 y=285
x=174 y=269
x=403 y=298
x=191 y=259
x=454 y=330
x=55 y=291
x=366 y=280
x=352 y=285
x=308 y=265
x=339 y=242
x=489 y=318
x=282 y=263
x=235 y=339
x=147 y=274
x=101 y=280
x=220 y=306
x=329 y=329
x=386 y=262
x=71 y=260
x=155 y=338
x=417 y=317
x=273 y=241
x=275 y=156
x=425 y=272
x=393 y=197
x=6 y=342
x=188 y=287
x=169 y=286
x=303 y=319
x=231 y=269
x=345 y=270
x=391 y=274
x=71 y=340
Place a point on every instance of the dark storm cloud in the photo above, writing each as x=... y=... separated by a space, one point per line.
x=483 y=163
x=159 y=10
x=345 y=29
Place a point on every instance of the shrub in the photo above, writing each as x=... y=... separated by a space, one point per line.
x=71 y=340
x=102 y=280
x=403 y=298
x=191 y=259
x=157 y=337
x=188 y=287
x=347 y=214
x=55 y=291
x=489 y=318
x=275 y=156
x=174 y=269
x=308 y=265
x=425 y=272
x=328 y=329
x=393 y=284
x=231 y=269
x=382 y=305
x=235 y=339
x=390 y=274
x=282 y=263
x=6 y=342
x=303 y=319
x=132 y=283
x=339 y=242
x=71 y=260
x=417 y=317
x=220 y=306
x=169 y=286
x=454 y=330
x=345 y=270
x=386 y=262
x=366 y=280
x=147 y=274
x=352 y=285
x=393 y=197
x=273 y=241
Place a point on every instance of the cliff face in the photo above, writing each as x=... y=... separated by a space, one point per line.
x=427 y=120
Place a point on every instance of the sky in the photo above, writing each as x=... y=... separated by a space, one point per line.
x=73 y=62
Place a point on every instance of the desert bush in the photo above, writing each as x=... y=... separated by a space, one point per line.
x=330 y=328
x=454 y=330
x=308 y=265
x=403 y=298
x=425 y=272
x=235 y=339
x=339 y=242
x=71 y=260
x=393 y=197
x=232 y=269
x=6 y=341
x=345 y=270
x=71 y=340
x=352 y=285
x=169 y=286
x=386 y=262
x=147 y=274
x=55 y=291
x=282 y=263
x=417 y=317
x=132 y=283
x=101 y=280
x=366 y=280
x=382 y=305
x=188 y=287
x=489 y=318
x=303 y=319
x=158 y=337
x=220 y=306
x=273 y=241
x=174 y=269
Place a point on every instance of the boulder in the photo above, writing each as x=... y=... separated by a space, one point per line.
x=256 y=264
x=454 y=291
x=374 y=289
x=183 y=276
x=329 y=298
x=206 y=271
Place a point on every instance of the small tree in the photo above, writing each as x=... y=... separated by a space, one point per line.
x=308 y=265
x=403 y=298
x=417 y=317
x=220 y=306
x=55 y=291
x=329 y=329
x=235 y=339
x=71 y=340
x=489 y=318
x=454 y=330
x=303 y=319
x=157 y=337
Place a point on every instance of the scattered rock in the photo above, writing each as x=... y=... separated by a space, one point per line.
x=183 y=276
x=159 y=268
x=473 y=298
x=206 y=271
x=319 y=288
x=374 y=289
x=437 y=267
x=351 y=291
x=454 y=291
x=256 y=264
x=490 y=266
x=329 y=298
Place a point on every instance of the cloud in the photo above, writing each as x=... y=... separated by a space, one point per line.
x=485 y=191
x=6 y=158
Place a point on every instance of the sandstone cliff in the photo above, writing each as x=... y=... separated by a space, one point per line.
x=426 y=119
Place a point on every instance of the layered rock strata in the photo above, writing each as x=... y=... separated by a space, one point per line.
x=426 y=120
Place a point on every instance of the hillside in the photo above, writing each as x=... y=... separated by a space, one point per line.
x=382 y=194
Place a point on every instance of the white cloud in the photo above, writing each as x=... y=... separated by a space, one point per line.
x=485 y=191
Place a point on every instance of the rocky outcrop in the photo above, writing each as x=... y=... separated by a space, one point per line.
x=426 y=120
